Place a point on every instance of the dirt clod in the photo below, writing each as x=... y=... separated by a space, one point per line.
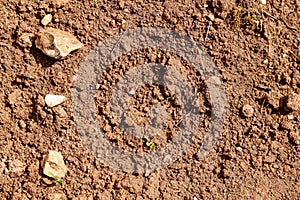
x=293 y=102
x=295 y=137
x=26 y=40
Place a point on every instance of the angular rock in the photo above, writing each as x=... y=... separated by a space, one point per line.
x=53 y=165
x=25 y=40
x=46 y=20
x=56 y=43
x=52 y=100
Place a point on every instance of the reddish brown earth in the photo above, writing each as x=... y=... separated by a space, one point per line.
x=256 y=157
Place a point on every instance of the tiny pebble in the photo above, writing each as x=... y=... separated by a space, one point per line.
x=247 y=111
x=46 y=20
x=53 y=100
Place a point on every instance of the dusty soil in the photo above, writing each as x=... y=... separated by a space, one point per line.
x=256 y=48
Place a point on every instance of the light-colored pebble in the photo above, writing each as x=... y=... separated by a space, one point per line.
x=52 y=100
x=247 y=111
x=46 y=20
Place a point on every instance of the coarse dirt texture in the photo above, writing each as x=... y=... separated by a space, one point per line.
x=256 y=48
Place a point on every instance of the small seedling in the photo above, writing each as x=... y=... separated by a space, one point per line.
x=151 y=145
x=51 y=175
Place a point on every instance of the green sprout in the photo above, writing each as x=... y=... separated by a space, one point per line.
x=51 y=175
x=151 y=145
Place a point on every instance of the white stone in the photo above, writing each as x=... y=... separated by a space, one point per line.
x=56 y=43
x=52 y=100
x=46 y=20
x=53 y=165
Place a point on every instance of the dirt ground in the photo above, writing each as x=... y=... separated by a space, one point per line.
x=256 y=48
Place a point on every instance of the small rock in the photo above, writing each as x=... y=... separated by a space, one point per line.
x=47 y=181
x=60 y=111
x=293 y=102
x=247 y=111
x=56 y=196
x=46 y=20
x=25 y=40
x=239 y=149
x=53 y=100
x=22 y=124
x=54 y=163
x=211 y=17
x=56 y=43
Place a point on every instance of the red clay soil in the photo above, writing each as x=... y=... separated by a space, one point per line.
x=256 y=48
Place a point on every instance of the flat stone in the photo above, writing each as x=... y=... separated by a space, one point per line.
x=46 y=20
x=53 y=165
x=56 y=43
x=52 y=100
